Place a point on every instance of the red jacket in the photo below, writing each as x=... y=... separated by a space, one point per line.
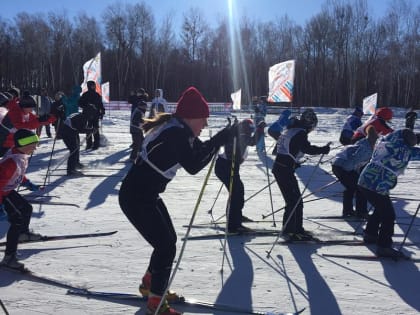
x=17 y=119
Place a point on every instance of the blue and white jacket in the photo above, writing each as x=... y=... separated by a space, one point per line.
x=354 y=157
x=389 y=159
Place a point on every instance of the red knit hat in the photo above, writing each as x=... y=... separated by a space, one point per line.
x=192 y=105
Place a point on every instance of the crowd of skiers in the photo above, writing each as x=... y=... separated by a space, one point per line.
x=372 y=157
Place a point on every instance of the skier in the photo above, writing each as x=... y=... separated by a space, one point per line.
x=91 y=97
x=159 y=104
x=20 y=116
x=44 y=108
x=410 y=119
x=71 y=102
x=350 y=126
x=379 y=121
x=73 y=125
x=291 y=146
x=12 y=174
x=171 y=142
x=347 y=166
x=136 y=122
x=244 y=138
x=389 y=159
x=260 y=110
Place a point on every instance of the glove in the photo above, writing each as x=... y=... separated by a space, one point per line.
x=31 y=186
x=325 y=149
x=223 y=136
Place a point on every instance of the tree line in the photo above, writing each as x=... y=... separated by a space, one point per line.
x=342 y=54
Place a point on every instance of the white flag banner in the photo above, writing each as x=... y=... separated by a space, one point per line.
x=280 y=82
x=105 y=92
x=236 y=99
x=369 y=104
x=92 y=72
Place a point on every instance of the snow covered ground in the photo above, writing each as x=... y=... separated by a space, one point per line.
x=294 y=277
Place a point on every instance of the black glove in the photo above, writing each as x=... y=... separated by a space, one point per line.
x=43 y=118
x=222 y=137
x=325 y=149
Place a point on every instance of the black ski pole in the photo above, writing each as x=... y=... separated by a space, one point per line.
x=187 y=233
x=52 y=152
x=232 y=174
x=4 y=308
x=409 y=227
x=294 y=208
x=269 y=186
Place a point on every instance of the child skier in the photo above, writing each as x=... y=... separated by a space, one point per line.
x=136 y=122
x=389 y=159
x=291 y=146
x=171 y=142
x=12 y=174
x=347 y=166
x=352 y=123
x=379 y=121
x=244 y=138
x=73 y=125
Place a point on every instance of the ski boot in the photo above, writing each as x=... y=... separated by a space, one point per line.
x=145 y=286
x=153 y=303
x=29 y=236
x=10 y=261
x=389 y=252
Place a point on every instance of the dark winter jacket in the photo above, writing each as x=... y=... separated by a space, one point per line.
x=293 y=144
x=166 y=148
x=92 y=97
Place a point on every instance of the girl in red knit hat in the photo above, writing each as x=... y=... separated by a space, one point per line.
x=171 y=142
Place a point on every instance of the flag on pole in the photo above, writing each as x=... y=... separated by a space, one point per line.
x=280 y=82
x=236 y=99
x=105 y=92
x=369 y=104
x=92 y=72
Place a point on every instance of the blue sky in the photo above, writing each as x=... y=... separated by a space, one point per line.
x=299 y=11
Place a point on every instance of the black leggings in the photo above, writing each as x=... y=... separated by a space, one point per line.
x=289 y=187
x=19 y=213
x=149 y=215
x=381 y=222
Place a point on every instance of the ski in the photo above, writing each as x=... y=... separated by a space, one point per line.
x=370 y=257
x=53 y=203
x=88 y=175
x=340 y=217
x=42 y=278
x=317 y=241
x=186 y=302
x=47 y=238
x=211 y=236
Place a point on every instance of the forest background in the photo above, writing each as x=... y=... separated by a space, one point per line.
x=342 y=53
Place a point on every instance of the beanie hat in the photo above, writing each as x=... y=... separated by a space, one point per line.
x=246 y=127
x=192 y=105
x=3 y=99
x=91 y=85
x=371 y=135
x=309 y=119
x=358 y=112
x=409 y=137
x=385 y=113
x=14 y=91
x=27 y=101
x=24 y=137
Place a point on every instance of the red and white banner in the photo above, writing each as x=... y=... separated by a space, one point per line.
x=369 y=104
x=280 y=82
x=92 y=72
x=105 y=92
x=236 y=99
